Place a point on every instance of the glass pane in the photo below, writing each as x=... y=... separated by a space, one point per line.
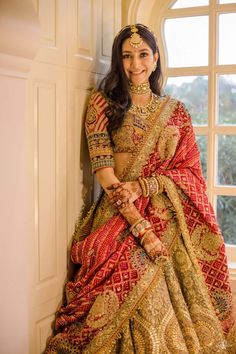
x=202 y=144
x=226 y=212
x=193 y=91
x=226 y=159
x=187 y=41
x=227 y=2
x=227 y=99
x=227 y=30
x=189 y=3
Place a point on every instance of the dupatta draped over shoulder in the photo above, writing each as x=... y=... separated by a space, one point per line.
x=119 y=301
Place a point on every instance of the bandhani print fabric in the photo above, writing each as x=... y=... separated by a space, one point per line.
x=119 y=301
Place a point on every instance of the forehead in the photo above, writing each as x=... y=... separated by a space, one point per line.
x=126 y=46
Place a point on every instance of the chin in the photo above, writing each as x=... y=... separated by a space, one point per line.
x=138 y=81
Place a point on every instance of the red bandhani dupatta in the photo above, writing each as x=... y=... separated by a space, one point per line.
x=116 y=279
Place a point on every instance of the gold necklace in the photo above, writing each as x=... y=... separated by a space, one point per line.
x=139 y=89
x=146 y=110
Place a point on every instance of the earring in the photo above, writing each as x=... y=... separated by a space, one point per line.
x=155 y=66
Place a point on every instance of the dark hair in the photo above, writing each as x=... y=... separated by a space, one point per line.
x=115 y=83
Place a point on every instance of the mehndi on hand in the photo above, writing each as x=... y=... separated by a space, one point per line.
x=143 y=230
x=124 y=193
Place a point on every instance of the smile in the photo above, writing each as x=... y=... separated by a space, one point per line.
x=136 y=73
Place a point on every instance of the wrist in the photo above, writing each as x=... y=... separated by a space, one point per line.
x=140 y=228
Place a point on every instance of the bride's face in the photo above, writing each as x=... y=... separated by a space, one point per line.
x=138 y=63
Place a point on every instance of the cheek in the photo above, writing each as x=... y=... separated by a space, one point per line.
x=125 y=65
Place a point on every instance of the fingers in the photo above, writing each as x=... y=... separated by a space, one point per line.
x=120 y=195
x=114 y=186
x=154 y=247
x=158 y=252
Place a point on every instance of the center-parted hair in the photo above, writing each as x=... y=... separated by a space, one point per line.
x=115 y=84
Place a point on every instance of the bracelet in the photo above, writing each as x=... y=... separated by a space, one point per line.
x=135 y=224
x=148 y=228
x=140 y=227
x=145 y=235
x=150 y=185
x=153 y=185
x=160 y=183
x=143 y=186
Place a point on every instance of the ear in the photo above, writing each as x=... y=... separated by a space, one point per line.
x=156 y=57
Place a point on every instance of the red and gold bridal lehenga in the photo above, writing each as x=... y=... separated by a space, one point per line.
x=119 y=301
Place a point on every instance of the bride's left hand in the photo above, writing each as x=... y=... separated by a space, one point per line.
x=124 y=193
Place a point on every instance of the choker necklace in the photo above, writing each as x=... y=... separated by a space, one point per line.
x=139 y=89
x=145 y=111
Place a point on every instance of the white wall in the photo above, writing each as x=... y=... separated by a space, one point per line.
x=19 y=37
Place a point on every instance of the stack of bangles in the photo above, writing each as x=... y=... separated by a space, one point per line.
x=141 y=228
x=151 y=185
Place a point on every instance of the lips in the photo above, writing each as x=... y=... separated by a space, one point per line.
x=136 y=73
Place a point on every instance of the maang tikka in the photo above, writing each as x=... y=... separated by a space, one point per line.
x=135 y=39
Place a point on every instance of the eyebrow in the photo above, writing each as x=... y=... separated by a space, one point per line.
x=141 y=50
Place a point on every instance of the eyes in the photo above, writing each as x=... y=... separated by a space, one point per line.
x=129 y=56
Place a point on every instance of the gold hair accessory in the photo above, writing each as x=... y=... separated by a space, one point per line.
x=135 y=30
x=135 y=39
x=139 y=89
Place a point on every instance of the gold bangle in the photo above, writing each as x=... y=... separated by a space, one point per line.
x=136 y=223
x=145 y=235
x=153 y=185
x=139 y=227
x=142 y=185
x=161 y=185
x=146 y=187
x=144 y=231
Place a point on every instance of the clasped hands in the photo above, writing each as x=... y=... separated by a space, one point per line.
x=122 y=195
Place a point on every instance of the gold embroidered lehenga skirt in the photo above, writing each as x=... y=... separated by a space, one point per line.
x=119 y=301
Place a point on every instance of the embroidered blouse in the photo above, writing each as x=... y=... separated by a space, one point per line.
x=126 y=139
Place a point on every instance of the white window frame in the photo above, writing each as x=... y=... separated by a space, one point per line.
x=212 y=130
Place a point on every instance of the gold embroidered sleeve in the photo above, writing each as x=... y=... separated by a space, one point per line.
x=99 y=143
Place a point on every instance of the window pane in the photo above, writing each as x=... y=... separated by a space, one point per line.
x=193 y=91
x=226 y=159
x=187 y=41
x=227 y=2
x=226 y=211
x=189 y=3
x=227 y=99
x=227 y=30
x=202 y=144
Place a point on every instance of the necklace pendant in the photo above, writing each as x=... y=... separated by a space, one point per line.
x=145 y=111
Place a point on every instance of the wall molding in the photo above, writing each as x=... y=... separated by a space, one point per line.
x=19 y=37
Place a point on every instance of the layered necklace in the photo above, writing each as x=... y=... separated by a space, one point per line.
x=144 y=111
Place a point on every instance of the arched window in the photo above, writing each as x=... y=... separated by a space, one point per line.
x=200 y=69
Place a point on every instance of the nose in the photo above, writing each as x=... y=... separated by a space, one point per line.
x=135 y=63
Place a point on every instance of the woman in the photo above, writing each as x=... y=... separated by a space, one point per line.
x=153 y=273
